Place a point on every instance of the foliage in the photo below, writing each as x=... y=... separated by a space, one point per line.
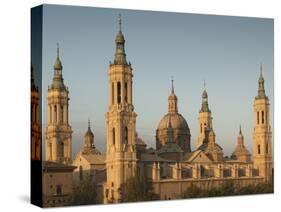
x=84 y=193
x=137 y=188
x=227 y=189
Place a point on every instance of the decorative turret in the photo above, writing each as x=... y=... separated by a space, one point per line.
x=261 y=90
x=204 y=105
x=89 y=137
x=120 y=55
x=241 y=153
x=205 y=118
x=57 y=78
x=172 y=100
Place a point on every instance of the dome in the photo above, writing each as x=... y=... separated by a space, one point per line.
x=176 y=119
x=120 y=37
x=57 y=65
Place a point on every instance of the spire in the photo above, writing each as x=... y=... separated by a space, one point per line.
x=204 y=105
x=261 y=90
x=58 y=79
x=89 y=123
x=120 y=23
x=172 y=100
x=120 y=55
x=57 y=64
x=172 y=80
x=240 y=138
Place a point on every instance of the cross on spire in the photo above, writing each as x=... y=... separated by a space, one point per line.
x=204 y=84
x=261 y=69
x=58 y=50
x=172 y=80
x=89 y=123
x=120 y=22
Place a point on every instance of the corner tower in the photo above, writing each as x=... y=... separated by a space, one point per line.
x=58 y=131
x=204 y=119
x=121 y=123
x=262 y=133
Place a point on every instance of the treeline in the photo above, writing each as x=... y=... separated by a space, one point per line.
x=227 y=189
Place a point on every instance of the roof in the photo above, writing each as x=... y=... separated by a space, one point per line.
x=170 y=147
x=93 y=158
x=146 y=157
x=54 y=166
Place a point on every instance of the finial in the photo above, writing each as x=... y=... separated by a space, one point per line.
x=261 y=69
x=89 y=123
x=172 y=80
x=204 y=84
x=120 y=22
x=240 y=131
x=58 y=50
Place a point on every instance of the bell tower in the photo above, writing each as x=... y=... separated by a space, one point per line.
x=262 y=133
x=35 y=124
x=121 y=123
x=58 y=131
x=204 y=119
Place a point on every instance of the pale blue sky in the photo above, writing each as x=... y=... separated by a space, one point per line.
x=225 y=51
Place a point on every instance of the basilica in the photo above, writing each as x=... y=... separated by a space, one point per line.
x=172 y=166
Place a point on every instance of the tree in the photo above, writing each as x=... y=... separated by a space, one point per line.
x=84 y=193
x=227 y=189
x=137 y=188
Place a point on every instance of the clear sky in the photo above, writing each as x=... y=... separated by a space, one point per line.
x=225 y=51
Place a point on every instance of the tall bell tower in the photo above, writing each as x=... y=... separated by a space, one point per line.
x=121 y=123
x=204 y=118
x=262 y=133
x=58 y=132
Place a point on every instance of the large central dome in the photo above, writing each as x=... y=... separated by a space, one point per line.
x=176 y=119
x=176 y=122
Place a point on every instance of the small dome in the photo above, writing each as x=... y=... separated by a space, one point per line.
x=119 y=37
x=58 y=65
x=177 y=122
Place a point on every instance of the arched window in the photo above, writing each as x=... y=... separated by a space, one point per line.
x=259 y=149
x=62 y=149
x=51 y=119
x=118 y=92
x=201 y=128
x=112 y=92
x=126 y=135
x=113 y=135
x=262 y=117
x=61 y=114
x=51 y=151
x=258 y=117
x=126 y=92
x=266 y=148
x=55 y=114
